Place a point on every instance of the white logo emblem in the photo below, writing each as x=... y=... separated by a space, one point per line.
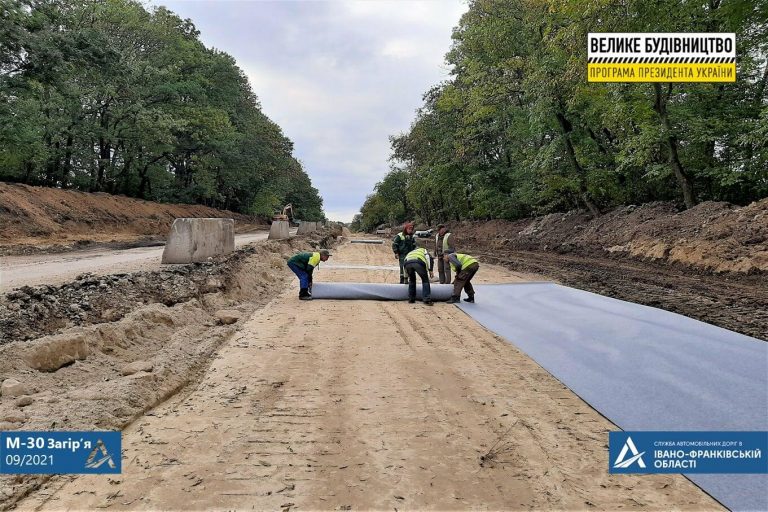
x=93 y=463
x=629 y=446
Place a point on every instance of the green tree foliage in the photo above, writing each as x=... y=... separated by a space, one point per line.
x=107 y=96
x=517 y=130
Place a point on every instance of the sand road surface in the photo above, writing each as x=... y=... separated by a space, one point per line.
x=334 y=405
x=54 y=269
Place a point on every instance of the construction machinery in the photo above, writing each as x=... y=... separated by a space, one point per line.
x=286 y=214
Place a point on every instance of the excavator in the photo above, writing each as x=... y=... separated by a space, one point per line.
x=286 y=214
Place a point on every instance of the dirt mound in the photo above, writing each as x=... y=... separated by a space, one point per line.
x=713 y=236
x=37 y=216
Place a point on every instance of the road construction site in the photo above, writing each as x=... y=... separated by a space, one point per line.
x=329 y=404
x=338 y=405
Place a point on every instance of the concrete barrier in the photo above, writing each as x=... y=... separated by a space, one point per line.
x=279 y=230
x=307 y=227
x=193 y=240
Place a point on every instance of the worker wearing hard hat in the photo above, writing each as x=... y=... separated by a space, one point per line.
x=443 y=246
x=465 y=267
x=418 y=261
x=303 y=265
x=402 y=244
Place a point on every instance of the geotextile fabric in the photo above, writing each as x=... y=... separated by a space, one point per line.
x=641 y=367
x=375 y=291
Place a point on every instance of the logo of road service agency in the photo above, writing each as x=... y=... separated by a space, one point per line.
x=93 y=462
x=629 y=446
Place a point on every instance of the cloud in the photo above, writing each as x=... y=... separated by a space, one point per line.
x=338 y=77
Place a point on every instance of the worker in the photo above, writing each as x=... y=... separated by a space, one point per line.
x=402 y=244
x=303 y=264
x=418 y=261
x=465 y=267
x=443 y=246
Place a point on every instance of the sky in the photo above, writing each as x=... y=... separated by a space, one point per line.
x=339 y=77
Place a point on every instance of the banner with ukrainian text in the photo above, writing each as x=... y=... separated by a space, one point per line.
x=688 y=452
x=661 y=57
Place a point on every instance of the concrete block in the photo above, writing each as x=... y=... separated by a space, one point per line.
x=307 y=227
x=193 y=240
x=279 y=230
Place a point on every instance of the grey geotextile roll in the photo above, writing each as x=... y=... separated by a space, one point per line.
x=376 y=291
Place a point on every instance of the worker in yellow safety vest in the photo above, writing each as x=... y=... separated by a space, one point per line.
x=443 y=246
x=418 y=261
x=303 y=265
x=465 y=267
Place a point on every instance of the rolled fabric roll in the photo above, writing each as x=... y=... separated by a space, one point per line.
x=376 y=291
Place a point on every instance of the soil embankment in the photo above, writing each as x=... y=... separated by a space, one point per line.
x=711 y=237
x=35 y=219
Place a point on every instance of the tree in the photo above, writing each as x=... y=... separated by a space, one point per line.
x=517 y=130
x=107 y=96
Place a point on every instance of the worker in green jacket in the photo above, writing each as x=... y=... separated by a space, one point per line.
x=303 y=264
x=402 y=244
x=443 y=246
x=418 y=261
x=465 y=267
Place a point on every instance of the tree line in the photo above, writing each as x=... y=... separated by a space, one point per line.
x=517 y=130
x=109 y=96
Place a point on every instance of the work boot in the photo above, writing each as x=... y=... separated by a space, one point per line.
x=470 y=299
x=304 y=294
x=411 y=301
x=454 y=299
x=428 y=302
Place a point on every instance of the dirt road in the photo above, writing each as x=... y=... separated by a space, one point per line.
x=54 y=269
x=369 y=405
